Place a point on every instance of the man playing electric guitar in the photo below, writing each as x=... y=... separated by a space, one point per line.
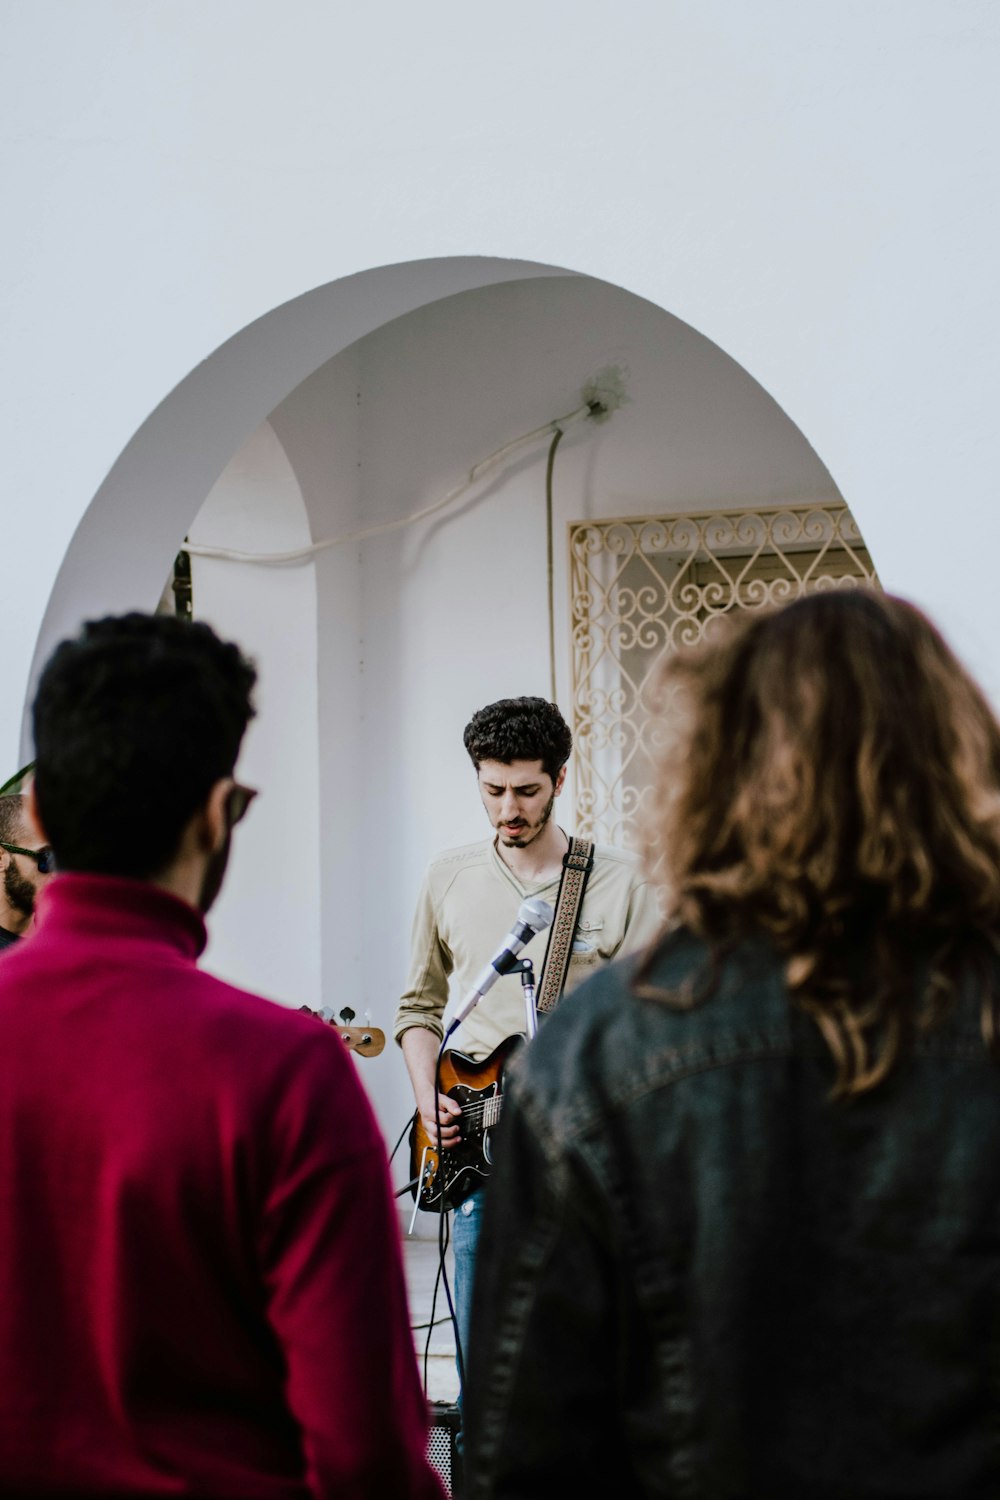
x=470 y=896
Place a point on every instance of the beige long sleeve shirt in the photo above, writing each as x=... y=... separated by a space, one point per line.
x=469 y=900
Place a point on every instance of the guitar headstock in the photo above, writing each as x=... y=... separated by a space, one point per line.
x=366 y=1041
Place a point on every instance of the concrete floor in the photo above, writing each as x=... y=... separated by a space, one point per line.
x=421 y=1260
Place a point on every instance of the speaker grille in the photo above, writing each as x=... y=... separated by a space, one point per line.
x=442 y=1445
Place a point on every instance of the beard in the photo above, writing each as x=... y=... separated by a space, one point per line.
x=530 y=832
x=215 y=872
x=19 y=890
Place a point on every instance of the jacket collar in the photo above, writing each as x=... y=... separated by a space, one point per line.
x=114 y=907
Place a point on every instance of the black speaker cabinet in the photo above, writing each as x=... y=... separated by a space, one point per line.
x=442 y=1446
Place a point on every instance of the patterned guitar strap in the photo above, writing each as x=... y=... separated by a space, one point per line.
x=578 y=861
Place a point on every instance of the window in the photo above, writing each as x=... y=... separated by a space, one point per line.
x=642 y=587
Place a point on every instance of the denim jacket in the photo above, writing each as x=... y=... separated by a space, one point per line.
x=699 y=1277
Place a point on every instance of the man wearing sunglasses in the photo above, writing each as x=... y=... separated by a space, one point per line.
x=25 y=865
x=199 y=1253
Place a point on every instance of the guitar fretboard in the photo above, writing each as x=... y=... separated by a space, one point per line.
x=481 y=1115
x=491 y=1111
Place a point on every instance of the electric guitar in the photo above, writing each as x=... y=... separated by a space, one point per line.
x=442 y=1184
x=366 y=1041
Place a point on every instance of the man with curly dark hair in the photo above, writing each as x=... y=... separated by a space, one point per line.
x=199 y=1256
x=519 y=748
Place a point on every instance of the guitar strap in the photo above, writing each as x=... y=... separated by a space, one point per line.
x=578 y=861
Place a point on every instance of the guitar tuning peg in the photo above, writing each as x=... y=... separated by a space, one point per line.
x=347 y=1015
x=368 y=1018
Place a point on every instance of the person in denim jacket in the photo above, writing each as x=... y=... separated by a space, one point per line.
x=743 y=1236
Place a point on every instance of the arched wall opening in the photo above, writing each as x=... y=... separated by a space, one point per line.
x=362 y=403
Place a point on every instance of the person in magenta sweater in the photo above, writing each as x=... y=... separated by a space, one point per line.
x=201 y=1289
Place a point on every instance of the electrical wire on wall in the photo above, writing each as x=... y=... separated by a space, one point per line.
x=601 y=396
x=550 y=573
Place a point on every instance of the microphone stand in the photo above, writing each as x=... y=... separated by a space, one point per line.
x=527 y=973
x=524 y=967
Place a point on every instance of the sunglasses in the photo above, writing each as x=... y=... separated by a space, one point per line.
x=237 y=803
x=43 y=857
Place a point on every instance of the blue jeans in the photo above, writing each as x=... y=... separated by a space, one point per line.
x=466 y=1223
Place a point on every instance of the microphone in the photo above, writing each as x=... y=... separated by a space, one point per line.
x=533 y=915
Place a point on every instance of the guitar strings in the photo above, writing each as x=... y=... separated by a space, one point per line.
x=480 y=1107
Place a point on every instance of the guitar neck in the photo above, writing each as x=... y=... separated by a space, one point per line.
x=481 y=1115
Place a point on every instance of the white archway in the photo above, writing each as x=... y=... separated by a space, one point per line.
x=416 y=629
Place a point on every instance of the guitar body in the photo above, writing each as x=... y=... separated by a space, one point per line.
x=477 y=1087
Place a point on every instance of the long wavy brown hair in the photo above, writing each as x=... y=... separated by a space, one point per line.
x=831 y=779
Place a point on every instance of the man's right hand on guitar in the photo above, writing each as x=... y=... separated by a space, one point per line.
x=449 y=1113
x=420 y=1050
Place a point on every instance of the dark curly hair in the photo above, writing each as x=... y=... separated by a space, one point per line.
x=519 y=729
x=832 y=779
x=134 y=722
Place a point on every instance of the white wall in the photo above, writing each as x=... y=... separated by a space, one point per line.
x=264 y=932
x=319 y=427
